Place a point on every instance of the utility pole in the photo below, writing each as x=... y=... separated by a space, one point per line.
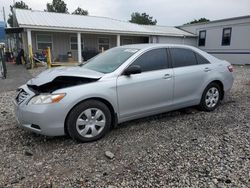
x=4 y=18
x=13 y=10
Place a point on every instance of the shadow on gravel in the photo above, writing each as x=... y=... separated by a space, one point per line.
x=32 y=139
x=160 y=117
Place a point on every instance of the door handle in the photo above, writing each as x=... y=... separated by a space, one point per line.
x=167 y=76
x=207 y=69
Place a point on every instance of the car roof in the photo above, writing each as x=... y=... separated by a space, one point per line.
x=148 y=46
x=151 y=45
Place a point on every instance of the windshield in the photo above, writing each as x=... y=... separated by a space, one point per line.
x=110 y=60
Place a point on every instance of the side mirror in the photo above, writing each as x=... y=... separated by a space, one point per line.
x=134 y=69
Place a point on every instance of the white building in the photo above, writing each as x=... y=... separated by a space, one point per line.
x=65 y=33
x=227 y=39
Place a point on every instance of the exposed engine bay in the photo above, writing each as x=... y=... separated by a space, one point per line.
x=59 y=83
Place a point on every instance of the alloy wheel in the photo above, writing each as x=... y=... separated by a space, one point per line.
x=212 y=97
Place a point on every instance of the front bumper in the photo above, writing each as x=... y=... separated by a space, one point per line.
x=45 y=119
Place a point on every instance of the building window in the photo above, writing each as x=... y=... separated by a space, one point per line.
x=73 y=43
x=127 y=41
x=103 y=43
x=43 y=41
x=226 y=36
x=202 y=38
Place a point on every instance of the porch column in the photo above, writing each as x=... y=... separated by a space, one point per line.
x=79 y=47
x=29 y=38
x=118 y=40
x=183 y=41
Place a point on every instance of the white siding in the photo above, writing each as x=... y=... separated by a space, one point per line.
x=175 y=40
x=236 y=59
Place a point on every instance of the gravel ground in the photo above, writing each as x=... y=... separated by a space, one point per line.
x=34 y=72
x=185 y=148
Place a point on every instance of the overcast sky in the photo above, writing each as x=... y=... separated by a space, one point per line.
x=166 y=12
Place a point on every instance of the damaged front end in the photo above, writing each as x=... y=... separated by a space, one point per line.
x=59 y=83
x=62 y=77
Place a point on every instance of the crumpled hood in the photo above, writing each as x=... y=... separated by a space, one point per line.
x=50 y=74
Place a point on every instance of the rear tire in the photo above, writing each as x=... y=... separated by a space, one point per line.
x=211 y=97
x=88 y=121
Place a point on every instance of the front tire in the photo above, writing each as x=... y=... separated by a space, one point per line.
x=211 y=97
x=88 y=121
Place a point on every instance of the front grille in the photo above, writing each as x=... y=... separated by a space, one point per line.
x=22 y=95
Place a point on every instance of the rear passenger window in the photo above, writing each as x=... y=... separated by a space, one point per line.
x=201 y=59
x=182 y=57
x=152 y=60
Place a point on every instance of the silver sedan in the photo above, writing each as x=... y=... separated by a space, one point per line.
x=119 y=85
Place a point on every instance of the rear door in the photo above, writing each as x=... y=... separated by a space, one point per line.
x=190 y=70
x=149 y=91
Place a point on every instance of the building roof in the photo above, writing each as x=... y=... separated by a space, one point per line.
x=217 y=21
x=167 y=30
x=60 y=21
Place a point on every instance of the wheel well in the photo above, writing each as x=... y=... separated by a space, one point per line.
x=107 y=103
x=221 y=87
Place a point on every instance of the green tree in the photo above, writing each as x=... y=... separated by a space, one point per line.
x=57 y=6
x=143 y=19
x=20 y=5
x=80 y=11
x=201 y=20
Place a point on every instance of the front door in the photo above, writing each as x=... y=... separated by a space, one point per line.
x=148 y=92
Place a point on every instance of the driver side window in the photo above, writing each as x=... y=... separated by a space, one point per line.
x=152 y=60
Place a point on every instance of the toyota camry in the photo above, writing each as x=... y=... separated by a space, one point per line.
x=121 y=84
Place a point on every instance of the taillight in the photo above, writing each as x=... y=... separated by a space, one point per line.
x=230 y=68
